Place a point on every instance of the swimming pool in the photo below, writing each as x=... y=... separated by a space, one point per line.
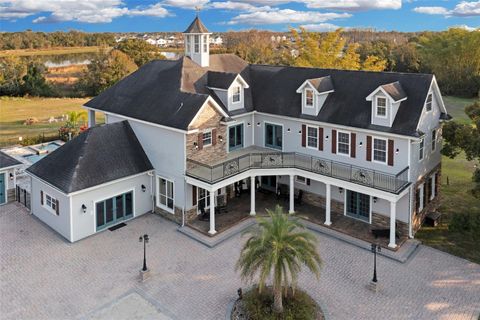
x=32 y=158
x=44 y=149
x=48 y=147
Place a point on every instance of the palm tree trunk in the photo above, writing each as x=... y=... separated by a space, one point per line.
x=277 y=299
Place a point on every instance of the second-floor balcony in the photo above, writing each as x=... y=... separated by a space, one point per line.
x=255 y=158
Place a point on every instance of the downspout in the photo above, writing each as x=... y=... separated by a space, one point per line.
x=151 y=190
x=184 y=203
x=410 y=231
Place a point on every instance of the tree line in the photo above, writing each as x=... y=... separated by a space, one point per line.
x=41 y=40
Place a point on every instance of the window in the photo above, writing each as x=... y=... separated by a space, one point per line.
x=309 y=98
x=312 y=137
x=301 y=179
x=187 y=39
x=236 y=94
x=432 y=187
x=235 y=137
x=343 y=143
x=165 y=194
x=273 y=136
x=381 y=107
x=197 y=43
x=428 y=105
x=420 y=150
x=380 y=150
x=421 y=197
x=207 y=138
x=51 y=203
x=205 y=44
x=434 y=139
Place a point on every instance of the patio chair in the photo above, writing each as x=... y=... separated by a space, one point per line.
x=204 y=215
x=298 y=198
x=282 y=192
x=221 y=204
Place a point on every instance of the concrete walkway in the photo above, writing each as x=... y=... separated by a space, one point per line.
x=44 y=277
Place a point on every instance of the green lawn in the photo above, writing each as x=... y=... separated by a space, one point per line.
x=14 y=112
x=49 y=51
x=456 y=197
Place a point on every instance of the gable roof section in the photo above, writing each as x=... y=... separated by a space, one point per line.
x=323 y=84
x=395 y=90
x=221 y=80
x=99 y=155
x=274 y=91
x=196 y=26
x=7 y=161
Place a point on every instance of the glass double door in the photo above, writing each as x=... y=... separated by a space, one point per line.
x=113 y=210
x=273 y=136
x=358 y=205
x=203 y=199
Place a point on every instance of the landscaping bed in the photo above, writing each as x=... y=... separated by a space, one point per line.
x=258 y=306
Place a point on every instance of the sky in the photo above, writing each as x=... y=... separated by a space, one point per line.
x=219 y=16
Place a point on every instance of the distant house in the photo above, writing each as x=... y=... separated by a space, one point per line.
x=217 y=41
x=183 y=138
x=151 y=41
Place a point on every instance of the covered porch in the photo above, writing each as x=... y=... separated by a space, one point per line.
x=238 y=209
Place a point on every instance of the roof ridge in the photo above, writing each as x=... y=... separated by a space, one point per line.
x=81 y=153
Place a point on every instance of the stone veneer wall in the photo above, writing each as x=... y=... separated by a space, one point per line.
x=11 y=195
x=431 y=205
x=209 y=118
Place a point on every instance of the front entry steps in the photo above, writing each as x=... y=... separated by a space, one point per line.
x=210 y=241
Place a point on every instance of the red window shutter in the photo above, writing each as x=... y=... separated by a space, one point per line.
x=425 y=197
x=57 y=208
x=41 y=198
x=417 y=200
x=304 y=135
x=320 y=139
x=437 y=183
x=194 y=195
x=214 y=137
x=334 y=141
x=200 y=141
x=353 y=144
x=369 y=148
x=391 y=146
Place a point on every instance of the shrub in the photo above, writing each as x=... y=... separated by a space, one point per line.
x=466 y=222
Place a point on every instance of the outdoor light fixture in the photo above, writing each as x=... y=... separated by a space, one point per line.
x=288 y=130
x=220 y=138
x=361 y=143
x=258 y=124
x=326 y=138
x=144 y=188
x=195 y=145
x=11 y=176
x=248 y=124
x=340 y=189
x=375 y=248
x=375 y=199
x=396 y=151
x=84 y=208
x=145 y=240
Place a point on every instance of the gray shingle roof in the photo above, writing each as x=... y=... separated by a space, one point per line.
x=221 y=80
x=7 y=161
x=322 y=84
x=394 y=90
x=170 y=93
x=99 y=155
x=196 y=27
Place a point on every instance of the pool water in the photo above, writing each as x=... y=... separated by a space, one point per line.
x=32 y=158
x=49 y=147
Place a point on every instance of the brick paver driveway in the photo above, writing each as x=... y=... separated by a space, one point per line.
x=44 y=277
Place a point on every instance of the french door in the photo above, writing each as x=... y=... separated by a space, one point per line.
x=235 y=137
x=358 y=205
x=113 y=210
x=203 y=199
x=273 y=136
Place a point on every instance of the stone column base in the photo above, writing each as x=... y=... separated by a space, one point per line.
x=373 y=286
x=144 y=275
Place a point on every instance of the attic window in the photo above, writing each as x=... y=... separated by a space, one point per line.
x=381 y=107
x=309 y=98
x=429 y=103
x=236 y=94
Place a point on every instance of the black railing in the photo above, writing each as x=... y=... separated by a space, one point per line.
x=367 y=177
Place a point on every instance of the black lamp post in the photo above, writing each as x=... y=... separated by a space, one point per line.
x=144 y=239
x=375 y=248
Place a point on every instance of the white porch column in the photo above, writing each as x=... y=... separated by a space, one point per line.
x=328 y=220
x=212 y=212
x=291 y=210
x=393 y=212
x=252 y=195
x=91 y=118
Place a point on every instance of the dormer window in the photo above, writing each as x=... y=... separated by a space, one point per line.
x=308 y=98
x=428 y=104
x=381 y=107
x=236 y=95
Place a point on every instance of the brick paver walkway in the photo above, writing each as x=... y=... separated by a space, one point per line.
x=44 y=277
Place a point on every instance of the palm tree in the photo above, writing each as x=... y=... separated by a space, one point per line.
x=74 y=117
x=278 y=248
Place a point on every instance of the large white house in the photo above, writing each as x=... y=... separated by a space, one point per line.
x=181 y=134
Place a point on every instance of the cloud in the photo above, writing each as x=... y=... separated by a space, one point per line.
x=235 y=5
x=354 y=5
x=431 y=10
x=278 y=16
x=462 y=9
x=465 y=27
x=320 y=27
x=92 y=11
x=185 y=4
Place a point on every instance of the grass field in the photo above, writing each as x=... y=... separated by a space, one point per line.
x=49 y=51
x=14 y=112
x=456 y=197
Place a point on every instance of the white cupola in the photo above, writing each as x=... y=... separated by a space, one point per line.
x=197 y=41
